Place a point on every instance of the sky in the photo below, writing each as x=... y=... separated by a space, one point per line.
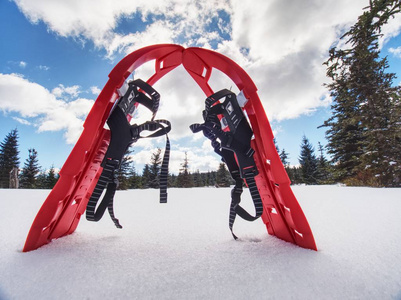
x=55 y=57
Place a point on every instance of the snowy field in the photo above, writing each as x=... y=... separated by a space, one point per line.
x=184 y=249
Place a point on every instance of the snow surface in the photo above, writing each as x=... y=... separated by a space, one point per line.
x=184 y=249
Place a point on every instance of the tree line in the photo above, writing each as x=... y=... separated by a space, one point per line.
x=311 y=170
x=33 y=176
x=129 y=178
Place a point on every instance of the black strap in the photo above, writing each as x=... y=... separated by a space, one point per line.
x=123 y=134
x=107 y=178
x=234 y=148
x=135 y=95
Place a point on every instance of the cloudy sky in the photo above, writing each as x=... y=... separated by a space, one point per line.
x=55 y=57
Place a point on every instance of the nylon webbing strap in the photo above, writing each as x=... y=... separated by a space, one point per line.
x=234 y=148
x=164 y=172
x=107 y=179
x=162 y=127
x=123 y=134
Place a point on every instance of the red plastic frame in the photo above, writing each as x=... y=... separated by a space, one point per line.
x=63 y=208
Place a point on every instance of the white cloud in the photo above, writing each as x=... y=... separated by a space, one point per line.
x=396 y=51
x=391 y=29
x=22 y=64
x=48 y=113
x=82 y=19
x=44 y=68
x=95 y=90
x=22 y=121
x=69 y=91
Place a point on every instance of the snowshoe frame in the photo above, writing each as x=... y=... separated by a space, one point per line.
x=62 y=210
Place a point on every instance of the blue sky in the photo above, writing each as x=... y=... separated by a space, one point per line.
x=55 y=57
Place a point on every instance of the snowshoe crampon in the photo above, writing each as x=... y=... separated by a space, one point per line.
x=67 y=202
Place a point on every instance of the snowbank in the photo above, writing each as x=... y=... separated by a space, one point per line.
x=184 y=249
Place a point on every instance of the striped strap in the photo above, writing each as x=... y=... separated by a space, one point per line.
x=164 y=172
x=109 y=180
x=234 y=148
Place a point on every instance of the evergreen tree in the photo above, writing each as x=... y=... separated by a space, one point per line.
x=135 y=180
x=184 y=178
x=8 y=157
x=275 y=144
x=51 y=178
x=154 y=169
x=223 y=177
x=41 y=180
x=364 y=130
x=323 y=167
x=30 y=170
x=210 y=178
x=146 y=177
x=172 y=180
x=295 y=174
x=125 y=172
x=308 y=162
x=197 y=179
x=284 y=158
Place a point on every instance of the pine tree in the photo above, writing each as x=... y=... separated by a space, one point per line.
x=308 y=162
x=125 y=171
x=146 y=177
x=9 y=158
x=41 y=180
x=197 y=179
x=30 y=170
x=364 y=130
x=135 y=180
x=154 y=169
x=295 y=174
x=171 y=180
x=210 y=178
x=184 y=178
x=51 y=178
x=275 y=144
x=284 y=158
x=223 y=177
x=323 y=167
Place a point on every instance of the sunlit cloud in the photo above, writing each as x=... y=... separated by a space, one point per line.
x=37 y=105
x=396 y=51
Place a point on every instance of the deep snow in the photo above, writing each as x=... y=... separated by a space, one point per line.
x=184 y=249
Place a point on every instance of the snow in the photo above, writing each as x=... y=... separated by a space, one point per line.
x=184 y=249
